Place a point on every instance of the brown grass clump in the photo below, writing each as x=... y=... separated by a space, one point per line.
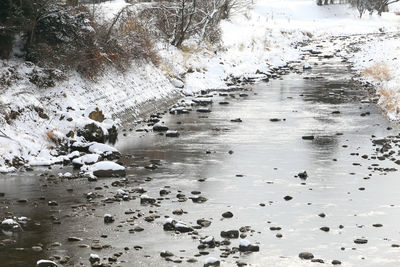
x=379 y=72
x=389 y=100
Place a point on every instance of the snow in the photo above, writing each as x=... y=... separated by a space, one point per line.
x=208 y=239
x=52 y=263
x=86 y=159
x=121 y=192
x=94 y=256
x=244 y=243
x=102 y=148
x=105 y=165
x=9 y=222
x=169 y=220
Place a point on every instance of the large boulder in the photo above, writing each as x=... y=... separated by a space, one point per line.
x=92 y=133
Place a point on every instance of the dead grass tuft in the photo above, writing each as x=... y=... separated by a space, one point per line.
x=379 y=72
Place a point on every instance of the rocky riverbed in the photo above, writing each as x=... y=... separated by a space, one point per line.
x=289 y=168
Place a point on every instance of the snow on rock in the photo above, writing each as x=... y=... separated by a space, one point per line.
x=306 y=66
x=86 y=160
x=177 y=83
x=244 y=243
x=210 y=261
x=65 y=175
x=105 y=169
x=102 y=149
x=46 y=263
x=9 y=224
x=93 y=258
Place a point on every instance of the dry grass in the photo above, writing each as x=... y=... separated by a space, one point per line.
x=379 y=72
x=389 y=100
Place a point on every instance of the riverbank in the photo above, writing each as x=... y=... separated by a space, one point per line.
x=286 y=170
x=37 y=117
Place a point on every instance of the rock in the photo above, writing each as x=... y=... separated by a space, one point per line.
x=336 y=262
x=178 y=212
x=361 y=241
x=183 y=228
x=96 y=246
x=107 y=169
x=166 y=254
x=9 y=224
x=324 y=228
x=171 y=133
x=97 y=115
x=246 y=246
x=236 y=120
x=275 y=228
x=203 y=222
x=204 y=110
x=308 y=137
x=322 y=215
x=37 y=248
x=211 y=262
x=52 y=203
x=177 y=83
x=287 y=198
x=377 y=225
x=227 y=214
x=303 y=175
x=169 y=225
x=108 y=218
x=230 y=234
x=209 y=241
x=158 y=127
x=92 y=133
x=318 y=260
x=274 y=120
x=198 y=199
x=306 y=256
x=46 y=263
x=145 y=199
x=94 y=258
x=241 y=263
x=74 y=239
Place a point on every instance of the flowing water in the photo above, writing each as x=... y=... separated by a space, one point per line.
x=267 y=155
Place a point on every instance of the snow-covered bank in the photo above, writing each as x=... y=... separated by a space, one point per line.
x=36 y=119
x=378 y=62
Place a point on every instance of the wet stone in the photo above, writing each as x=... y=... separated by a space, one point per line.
x=287 y=198
x=203 y=222
x=227 y=214
x=230 y=234
x=74 y=239
x=108 y=218
x=361 y=241
x=324 y=228
x=178 y=212
x=318 y=260
x=302 y=175
x=166 y=254
x=306 y=256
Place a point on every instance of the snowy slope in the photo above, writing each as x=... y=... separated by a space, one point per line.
x=258 y=39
